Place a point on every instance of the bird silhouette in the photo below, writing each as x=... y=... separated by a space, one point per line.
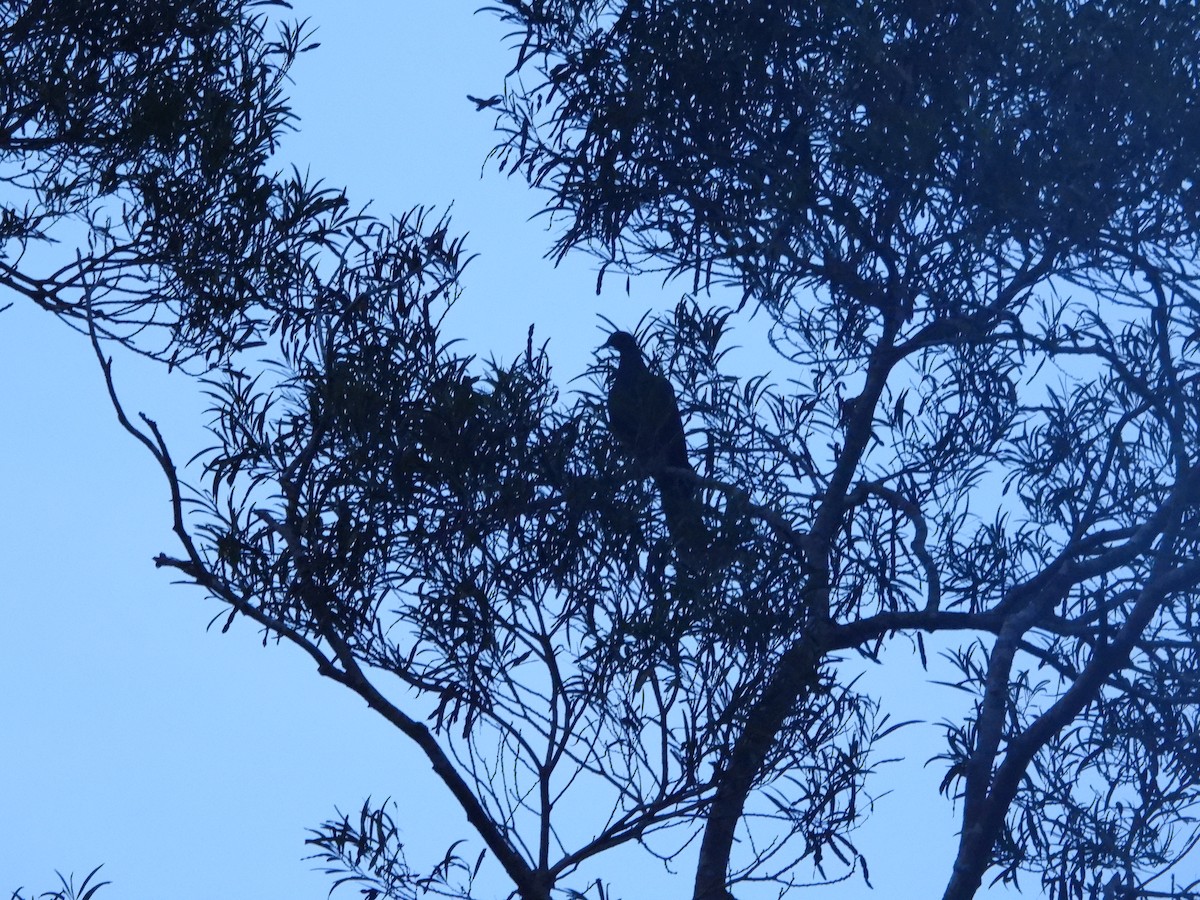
x=643 y=415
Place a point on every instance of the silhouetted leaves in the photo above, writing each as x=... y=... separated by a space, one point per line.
x=142 y=132
x=910 y=190
x=86 y=890
x=366 y=853
x=972 y=229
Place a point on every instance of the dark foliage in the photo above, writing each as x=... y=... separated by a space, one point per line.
x=369 y=855
x=140 y=133
x=484 y=543
x=67 y=890
x=973 y=229
x=850 y=147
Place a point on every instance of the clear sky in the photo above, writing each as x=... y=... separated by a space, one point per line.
x=189 y=762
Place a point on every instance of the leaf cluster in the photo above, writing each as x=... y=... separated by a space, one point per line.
x=832 y=144
x=141 y=134
x=972 y=228
x=402 y=509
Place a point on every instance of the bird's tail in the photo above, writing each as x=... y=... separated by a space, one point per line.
x=682 y=511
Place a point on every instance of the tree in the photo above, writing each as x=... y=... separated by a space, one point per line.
x=973 y=230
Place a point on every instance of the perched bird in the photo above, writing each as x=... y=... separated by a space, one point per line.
x=644 y=417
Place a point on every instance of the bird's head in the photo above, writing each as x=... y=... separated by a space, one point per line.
x=624 y=343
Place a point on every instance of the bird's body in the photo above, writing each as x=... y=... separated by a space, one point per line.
x=643 y=415
x=642 y=411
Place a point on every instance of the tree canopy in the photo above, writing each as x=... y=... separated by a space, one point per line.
x=973 y=230
x=142 y=132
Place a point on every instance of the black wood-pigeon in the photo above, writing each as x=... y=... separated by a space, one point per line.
x=644 y=417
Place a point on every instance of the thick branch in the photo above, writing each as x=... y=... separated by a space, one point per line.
x=798 y=666
x=984 y=819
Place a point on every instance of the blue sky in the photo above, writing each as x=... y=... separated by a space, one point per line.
x=189 y=762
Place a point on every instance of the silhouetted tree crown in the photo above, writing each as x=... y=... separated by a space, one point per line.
x=974 y=229
x=971 y=230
